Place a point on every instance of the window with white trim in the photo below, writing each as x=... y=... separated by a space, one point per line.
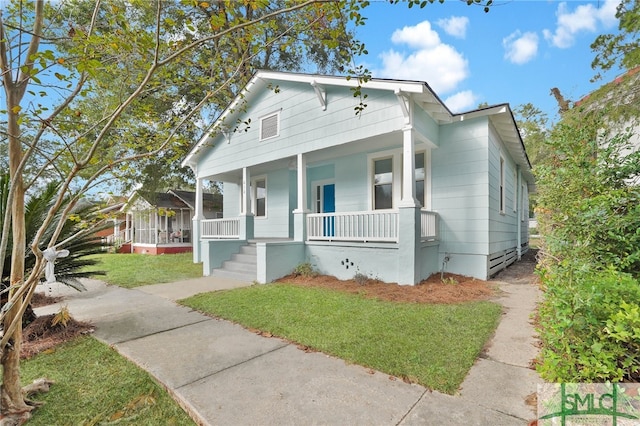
x=383 y=183
x=515 y=191
x=502 y=192
x=420 y=174
x=524 y=215
x=270 y=126
x=260 y=197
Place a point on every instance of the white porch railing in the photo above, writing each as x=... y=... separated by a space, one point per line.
x=353 y=226
x=220 y=228
x=428 y=225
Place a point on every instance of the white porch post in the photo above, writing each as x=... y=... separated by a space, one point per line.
x=408 y=168
x=127 y=227
x=300 y=213
x=409 y=268
x=198 y=216
x=246 y=217
x=156 y=225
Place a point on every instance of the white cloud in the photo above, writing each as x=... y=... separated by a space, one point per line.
x=418 y=36
x=461 y=101
x=430 y=59
x=585 y=18
x=455 y=26
x=520 y=48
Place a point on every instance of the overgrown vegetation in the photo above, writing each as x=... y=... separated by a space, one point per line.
x=89 y=392
x=433 y=345
x=589 y=216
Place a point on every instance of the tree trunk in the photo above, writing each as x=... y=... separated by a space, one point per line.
x=11 y=397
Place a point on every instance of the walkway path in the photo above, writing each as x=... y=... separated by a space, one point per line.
x=224 y=374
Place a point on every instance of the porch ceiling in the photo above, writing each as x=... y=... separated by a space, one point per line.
x=387 y=141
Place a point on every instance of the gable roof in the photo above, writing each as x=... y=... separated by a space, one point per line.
x=501 y=115
x=209 y=201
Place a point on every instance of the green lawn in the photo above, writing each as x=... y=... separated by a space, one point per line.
x=133 y=270
x=433 y=345
x=95 y=385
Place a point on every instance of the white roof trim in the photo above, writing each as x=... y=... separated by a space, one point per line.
x=419 y=90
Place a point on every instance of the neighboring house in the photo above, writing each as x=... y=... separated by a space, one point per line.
x=112 y=212
x=624 y=90
x=399 y=192
x=157 y=223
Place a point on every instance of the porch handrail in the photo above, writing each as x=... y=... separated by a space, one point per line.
x=428 y=225
x=364 y=226
x=220 y=228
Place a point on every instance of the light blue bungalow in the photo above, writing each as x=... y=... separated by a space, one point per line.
x=401 y=191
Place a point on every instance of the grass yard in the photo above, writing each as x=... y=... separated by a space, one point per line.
x=433 y=345
x=133 y=270
x=95 y=385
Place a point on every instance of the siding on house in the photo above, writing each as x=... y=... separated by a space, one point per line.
x=276 y=223
x=460 y=187
x=502 y=226
x=297 y=102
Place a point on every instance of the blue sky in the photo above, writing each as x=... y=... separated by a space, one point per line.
x=514 y=54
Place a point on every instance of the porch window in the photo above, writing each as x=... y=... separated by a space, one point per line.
x=420 y=177
x=515 y=191
x=383 y=184
x=260 y=206
x=270 y=126
x=502 y=195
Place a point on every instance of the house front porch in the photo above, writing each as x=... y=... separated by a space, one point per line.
x=371 y=243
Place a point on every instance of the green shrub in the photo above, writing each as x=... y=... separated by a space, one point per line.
x=306 y=270
x=590 y=333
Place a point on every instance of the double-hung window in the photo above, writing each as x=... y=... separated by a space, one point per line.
x=420 y=174
x=260 y=197
x=383 y=183
x=502 y=186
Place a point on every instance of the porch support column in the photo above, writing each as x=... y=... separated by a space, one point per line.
x=408 y=168
x=127 y=228
x=409 y=246
x=409 y=261
x=196 y=222
x=300 y=213
x=246 y=230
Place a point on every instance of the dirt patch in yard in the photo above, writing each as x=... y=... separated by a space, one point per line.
x=450 y=288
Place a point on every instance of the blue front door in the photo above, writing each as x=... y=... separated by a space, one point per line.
x=329 y=206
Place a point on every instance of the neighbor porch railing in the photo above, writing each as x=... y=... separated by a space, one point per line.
x=363 y=226
x=428 y=225
x=220 y=228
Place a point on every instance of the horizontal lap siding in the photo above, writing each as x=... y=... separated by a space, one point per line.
x=276 y=223
x=503 y=228
x=352 y=183
x=304 y=126
x=231 y=199
x=460 y=186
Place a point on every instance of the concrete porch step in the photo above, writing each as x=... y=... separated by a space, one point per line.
x=234 y=275
x=241 y=267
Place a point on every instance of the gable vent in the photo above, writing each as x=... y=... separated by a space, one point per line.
x=269 y=126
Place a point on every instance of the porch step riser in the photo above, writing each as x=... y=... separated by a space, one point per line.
x=239 y=276
x=244 y=258
x=250 y=250
x=230 y=265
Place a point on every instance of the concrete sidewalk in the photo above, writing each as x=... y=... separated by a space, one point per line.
x=224 y=374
